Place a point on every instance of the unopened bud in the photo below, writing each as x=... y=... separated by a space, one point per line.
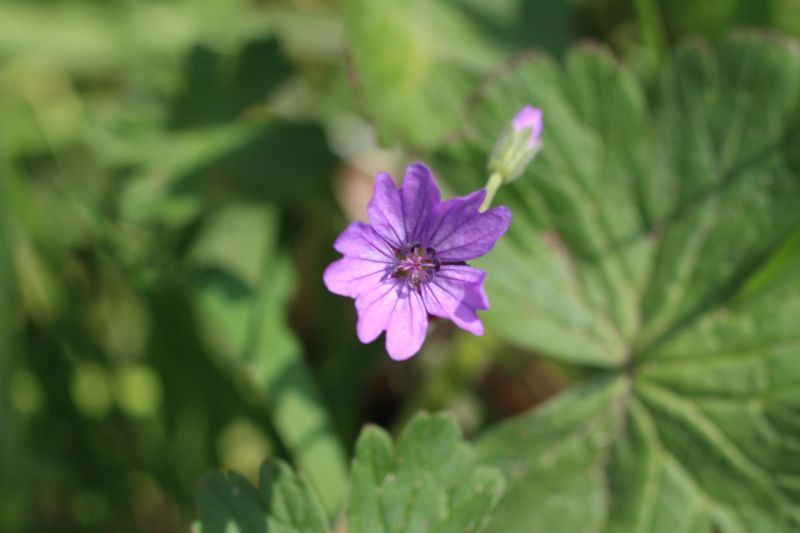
x=518 y=145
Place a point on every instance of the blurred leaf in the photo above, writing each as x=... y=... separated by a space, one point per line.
x=92 y=37
x=69 y=34
x=284 y=502
x=282 y=162
x=286 y=164
x=244 y=285
x=219 y=87
x=525 y=24
x=310 y=33
x=415 y=61
x=662 y=244
x=685 y=17
x=786 y=16
x=428 y=482
x=7 y=436
x=159 y=190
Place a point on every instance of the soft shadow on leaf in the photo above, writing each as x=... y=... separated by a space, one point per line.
x=525 y=24
x=287 y=163
x=227 y=501
x=283 y=502
x=218 y=87
x=221 y=280
x=243 y=308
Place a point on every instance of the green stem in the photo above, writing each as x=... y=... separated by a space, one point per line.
x=494 y=182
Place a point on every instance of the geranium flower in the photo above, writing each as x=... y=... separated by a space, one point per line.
x=410 y=261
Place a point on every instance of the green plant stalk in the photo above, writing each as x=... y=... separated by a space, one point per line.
x=492 y=185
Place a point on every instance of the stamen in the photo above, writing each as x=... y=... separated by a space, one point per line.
x=415 y=264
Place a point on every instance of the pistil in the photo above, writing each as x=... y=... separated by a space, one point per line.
x=415 y=264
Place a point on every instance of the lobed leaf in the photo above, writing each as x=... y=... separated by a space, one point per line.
x=284 y=503
x=427 y=482
x=656 y=236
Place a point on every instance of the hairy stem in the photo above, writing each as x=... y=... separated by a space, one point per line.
x=494 y=182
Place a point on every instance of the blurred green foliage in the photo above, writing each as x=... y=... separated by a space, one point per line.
x=173 y=172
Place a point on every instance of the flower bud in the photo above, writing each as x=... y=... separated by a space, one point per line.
x=518 y=145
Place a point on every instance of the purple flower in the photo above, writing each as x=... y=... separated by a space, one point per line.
x=529 y=117
x=410 y=261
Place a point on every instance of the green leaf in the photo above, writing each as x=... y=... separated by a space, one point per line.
x=541 y=24
x=158 y=191
x=416 y=61
x=144 y=38
x=554 y=459
x=284 y=503
x=427 y=482
x=243 y=285
x=218 y=88
x=582 y=271
x=7 y=353
x=655 y=236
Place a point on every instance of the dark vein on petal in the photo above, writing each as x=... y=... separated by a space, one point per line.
x=391 y=314
x=372 y=245
x=441 y=306
x=460 y=300
x=415 y=234
x=367 y=260
x=388 y=223
x=445 y=215
x=374 y=301
x=443 y=274
x=389 y=244
x=366 y=275
x=456 y=227
x=484 y=236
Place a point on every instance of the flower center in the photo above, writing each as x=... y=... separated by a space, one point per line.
x=415 y=264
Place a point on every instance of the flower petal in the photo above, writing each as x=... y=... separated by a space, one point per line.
x=406 y=330
x=458 y=232
x=375 y=307
x=360 y=240
x=419 y=194
x=531 y=118
x=457 y=293
x=385 y=211
x=351 y=276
